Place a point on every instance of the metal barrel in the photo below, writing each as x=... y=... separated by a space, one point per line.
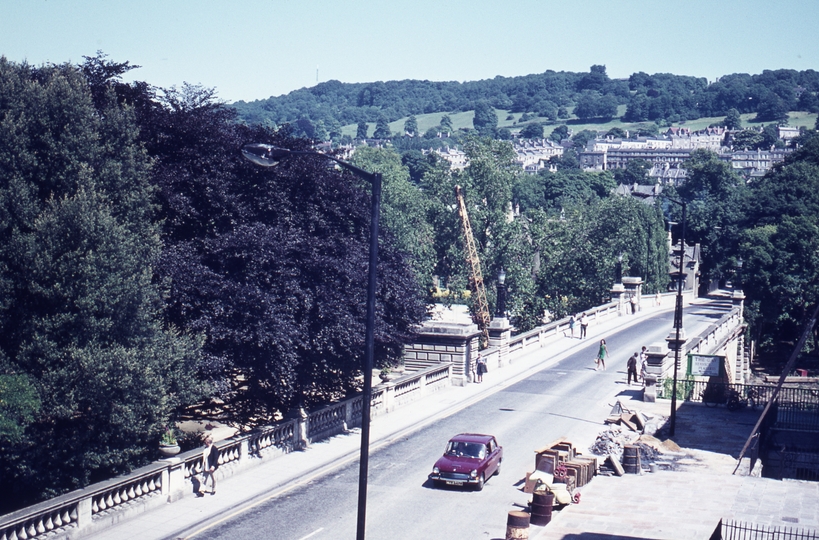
x=517 y=525
x=631 y=459
x=542 y=503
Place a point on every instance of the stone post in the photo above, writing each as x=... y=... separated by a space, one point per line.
x=388 y=395
x=634 y=289
x=656 y=354
x=441 y=341
x=668 y=364
x=618 y=294
x=738 y=301
x=500 y=331
x=173 y=480
x=302 y=426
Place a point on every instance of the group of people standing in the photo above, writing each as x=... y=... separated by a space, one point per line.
x=641 y=359
x=637 y=359
x=582 y=320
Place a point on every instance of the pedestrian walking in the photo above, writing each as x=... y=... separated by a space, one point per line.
x=633 y=301
x=632 y=369
x=210 y=462
x=571 y=325
x=601 y=355
x=643 y=365
x=480 y=367
x=657 y=299
x=584 y=325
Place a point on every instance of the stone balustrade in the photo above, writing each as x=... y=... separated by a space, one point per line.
x=100 y=505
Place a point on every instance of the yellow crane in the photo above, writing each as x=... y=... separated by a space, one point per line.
x=481 y=316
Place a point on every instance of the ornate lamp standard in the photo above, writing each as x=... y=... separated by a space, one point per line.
x=678 y=313
x=678 y=321
x=267 y=155
x=500 y=310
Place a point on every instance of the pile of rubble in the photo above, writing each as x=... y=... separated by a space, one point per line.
x=634 y=429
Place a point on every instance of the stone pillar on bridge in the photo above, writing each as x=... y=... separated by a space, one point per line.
x=633 y=291
x=618 y=296
x=499 y=333
x=668 y=364
x=443 y=341
x=656 y=354
x=738 y=301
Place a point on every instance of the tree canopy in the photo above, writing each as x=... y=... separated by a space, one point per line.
x=98 y=371
x=148 y=270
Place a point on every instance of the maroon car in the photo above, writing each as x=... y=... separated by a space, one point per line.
x=469 y=459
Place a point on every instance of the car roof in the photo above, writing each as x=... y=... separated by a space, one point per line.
x=472 y=437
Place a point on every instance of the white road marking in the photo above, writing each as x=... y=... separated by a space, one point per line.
x=312 y=533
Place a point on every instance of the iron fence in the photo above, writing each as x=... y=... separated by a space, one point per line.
x=797 y=408
x=733 y=530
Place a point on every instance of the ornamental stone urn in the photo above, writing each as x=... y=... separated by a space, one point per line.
x=168 y=450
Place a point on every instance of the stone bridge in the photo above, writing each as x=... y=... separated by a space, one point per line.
x=443 y=356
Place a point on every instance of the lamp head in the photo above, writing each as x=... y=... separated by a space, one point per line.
x=739 y=263
x=265 y=155
x=620 y=258
x=501 y=276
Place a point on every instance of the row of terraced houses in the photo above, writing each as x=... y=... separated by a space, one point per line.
x=665 y=153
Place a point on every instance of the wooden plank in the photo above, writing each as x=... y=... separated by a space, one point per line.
x=550 y=445
x=615 y=464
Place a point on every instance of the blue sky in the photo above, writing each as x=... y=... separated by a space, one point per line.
x=259 y=48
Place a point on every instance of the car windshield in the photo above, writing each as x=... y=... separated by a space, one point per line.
x=466 y=449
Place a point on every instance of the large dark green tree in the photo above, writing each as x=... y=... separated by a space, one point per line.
x=403 y=210
x=715 y=197
x=270 y=264
x=485 y=120
x=778 y=242
x=82 y=337
x=382 y=128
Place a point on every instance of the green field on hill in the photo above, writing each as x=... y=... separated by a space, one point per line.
x=464 y=120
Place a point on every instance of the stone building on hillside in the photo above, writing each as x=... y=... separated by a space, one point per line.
x=456 y=158
x=534 y=154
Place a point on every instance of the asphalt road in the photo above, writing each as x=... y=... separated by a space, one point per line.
x=567 y=398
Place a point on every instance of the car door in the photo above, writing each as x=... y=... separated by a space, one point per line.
x=493 y=456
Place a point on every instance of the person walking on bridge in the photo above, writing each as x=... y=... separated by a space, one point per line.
x=632 y=369
x=210 y=462
x=601 y=356
x=584 y=325
x=643 y=365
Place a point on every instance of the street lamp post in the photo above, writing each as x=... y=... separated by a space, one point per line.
x=738 y=284
x=500 y=311
x=267 y=155
x=678 y=321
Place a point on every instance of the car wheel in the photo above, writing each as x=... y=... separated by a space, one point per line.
x=497 y=471
x=481 y=482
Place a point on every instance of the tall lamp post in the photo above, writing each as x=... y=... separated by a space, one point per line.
x=678 y=321
x=267 y=155
x=500 y=311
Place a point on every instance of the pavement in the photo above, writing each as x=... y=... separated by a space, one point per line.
x=686 y=502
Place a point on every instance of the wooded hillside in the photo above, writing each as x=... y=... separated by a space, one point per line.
x=661 y=97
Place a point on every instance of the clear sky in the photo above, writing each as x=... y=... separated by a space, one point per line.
x=254 y=49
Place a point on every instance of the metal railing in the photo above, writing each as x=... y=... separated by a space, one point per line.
x=734 y=530
x=797 y=408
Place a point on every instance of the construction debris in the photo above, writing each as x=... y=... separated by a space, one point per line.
x=635 y=421
x=626 y=427
x=560 y=470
